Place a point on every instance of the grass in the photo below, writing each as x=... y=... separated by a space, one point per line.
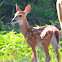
x=13 y=48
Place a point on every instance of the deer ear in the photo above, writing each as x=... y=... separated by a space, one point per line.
x=27 y=9
x=17 y=8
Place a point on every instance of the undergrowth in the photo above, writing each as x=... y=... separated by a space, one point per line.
x=13 y=48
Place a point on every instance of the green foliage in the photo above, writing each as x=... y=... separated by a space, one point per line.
x=2 y=25
x=13 y=48
x=42 y=11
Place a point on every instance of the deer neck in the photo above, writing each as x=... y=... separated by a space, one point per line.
x=24 y=27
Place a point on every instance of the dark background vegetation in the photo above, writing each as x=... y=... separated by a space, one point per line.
x=43 y=12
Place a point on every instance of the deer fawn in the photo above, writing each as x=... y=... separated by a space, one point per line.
x=37 y=36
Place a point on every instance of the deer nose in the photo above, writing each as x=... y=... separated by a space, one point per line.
x=13 y=20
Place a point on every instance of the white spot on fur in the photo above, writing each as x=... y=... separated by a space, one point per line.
x=39 y=31
x=27 y=35
x=30 y=33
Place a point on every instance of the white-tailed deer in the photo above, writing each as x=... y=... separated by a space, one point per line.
x=37 y=36
x=59 y=11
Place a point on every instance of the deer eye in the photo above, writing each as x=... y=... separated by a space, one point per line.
x=20 y=15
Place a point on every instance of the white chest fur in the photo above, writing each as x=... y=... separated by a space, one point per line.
x=20 y=22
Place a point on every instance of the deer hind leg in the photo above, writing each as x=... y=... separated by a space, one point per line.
x=56 y=47
x=34 y=56
x=46 y=52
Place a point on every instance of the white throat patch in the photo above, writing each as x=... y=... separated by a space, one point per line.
x=20 y=22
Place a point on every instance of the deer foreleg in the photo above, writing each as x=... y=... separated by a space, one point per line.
x=34 y=56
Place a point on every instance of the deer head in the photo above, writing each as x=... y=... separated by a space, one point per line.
x=20 y=16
